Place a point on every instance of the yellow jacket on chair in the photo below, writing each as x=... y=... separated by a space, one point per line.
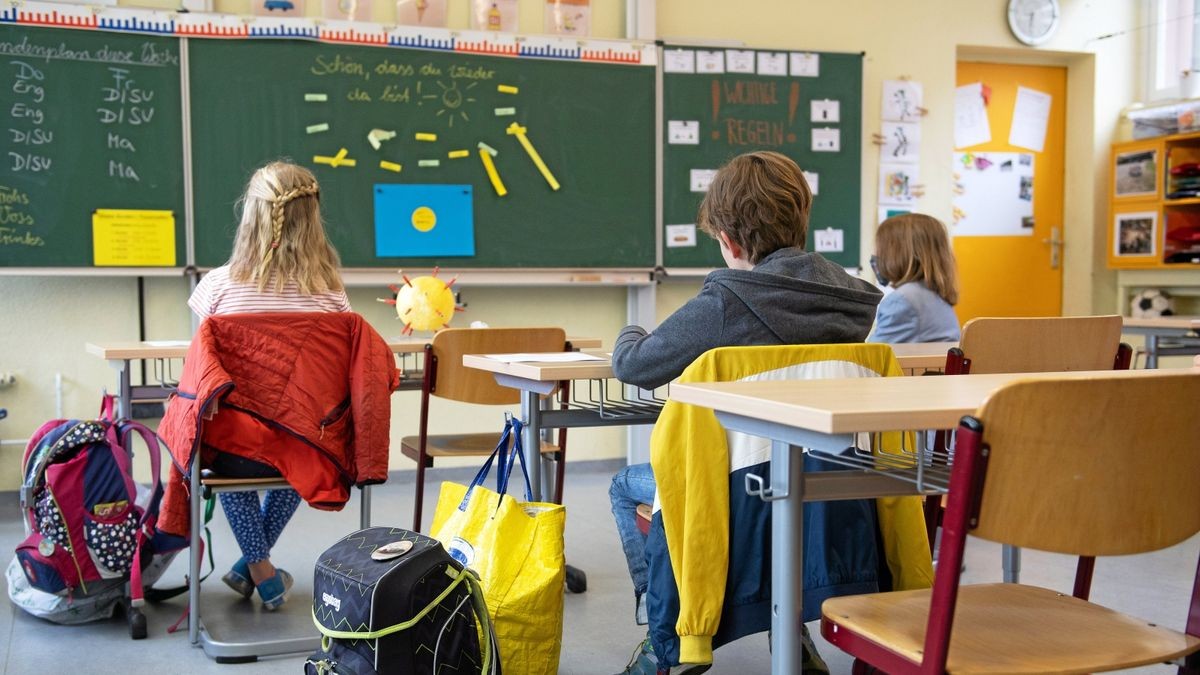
x=696 y=462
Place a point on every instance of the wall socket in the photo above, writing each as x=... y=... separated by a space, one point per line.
x=7 y=380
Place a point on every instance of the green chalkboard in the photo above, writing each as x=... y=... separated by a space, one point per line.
x=735 y=112
x=593 y=125
x=93 y=122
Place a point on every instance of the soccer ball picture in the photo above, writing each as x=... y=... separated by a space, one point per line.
x=1151 y=303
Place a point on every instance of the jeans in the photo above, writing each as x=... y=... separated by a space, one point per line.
x=631 y=486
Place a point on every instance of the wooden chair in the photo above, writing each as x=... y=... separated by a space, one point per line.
x=1093 y=467
x=1030 y=345
x=446 y=377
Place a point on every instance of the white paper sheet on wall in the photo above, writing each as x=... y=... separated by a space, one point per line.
x=902 y=100
x=993 y=194
x=739 y=61
x=710 y=62
x=679 y=61
x=970 y=116
x=805 y=64
x=1031 y=113
x=901 y=142
x=896 y=182
x=773 y=63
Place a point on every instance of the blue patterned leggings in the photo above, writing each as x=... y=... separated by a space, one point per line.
x=257 y=527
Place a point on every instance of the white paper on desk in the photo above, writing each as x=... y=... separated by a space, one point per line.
x=970 y=116
x=1031 y=112
x=168 y=343
x=553 y=357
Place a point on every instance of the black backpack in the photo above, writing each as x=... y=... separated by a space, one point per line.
x=393 y=601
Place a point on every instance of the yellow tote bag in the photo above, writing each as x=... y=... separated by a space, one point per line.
x=516 y=548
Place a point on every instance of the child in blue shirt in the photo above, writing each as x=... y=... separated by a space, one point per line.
x=913 y=255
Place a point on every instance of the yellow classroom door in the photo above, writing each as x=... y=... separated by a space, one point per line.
x=1016 y=275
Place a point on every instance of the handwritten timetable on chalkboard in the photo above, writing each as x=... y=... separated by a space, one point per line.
x=90 y=121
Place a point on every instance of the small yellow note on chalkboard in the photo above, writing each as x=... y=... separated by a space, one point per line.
x=133 y=238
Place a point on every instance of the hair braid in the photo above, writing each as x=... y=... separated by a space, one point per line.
x=277 y=205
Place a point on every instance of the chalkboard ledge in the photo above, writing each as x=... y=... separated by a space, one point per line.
x=509 y=277
x=93 y=271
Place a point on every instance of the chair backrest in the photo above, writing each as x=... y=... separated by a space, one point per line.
x=1041 y=345
x=1100 y=466
x=470 y=385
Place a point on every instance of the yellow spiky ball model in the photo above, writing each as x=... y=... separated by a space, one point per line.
x=424 y=303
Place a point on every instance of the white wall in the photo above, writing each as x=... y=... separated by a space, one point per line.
x=44 y=322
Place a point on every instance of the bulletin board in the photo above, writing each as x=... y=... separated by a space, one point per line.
x=719 y=103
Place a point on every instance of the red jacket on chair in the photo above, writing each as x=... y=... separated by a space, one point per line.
x=308 y=393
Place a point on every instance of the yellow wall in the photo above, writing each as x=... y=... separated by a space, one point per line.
x=44 y=322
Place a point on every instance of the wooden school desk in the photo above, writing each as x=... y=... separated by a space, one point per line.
x=824 y=416
x=1179 y=332
x=606 y=402
x=120 y=354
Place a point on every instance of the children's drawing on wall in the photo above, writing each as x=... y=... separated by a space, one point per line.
x=568 y=17
x=1031 y=115
x=347 y=10
x=993 y=194
x=292 y=8
x=430 y=13
x=495 y=15
x=901 y=142
x=971 y=125
x=902 y=100
x=1135 y=233
x=896 y=183
x=1135 y=173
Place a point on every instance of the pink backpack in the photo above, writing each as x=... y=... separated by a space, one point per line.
x=90 y=524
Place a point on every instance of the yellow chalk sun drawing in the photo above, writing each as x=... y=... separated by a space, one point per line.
x=451 y=99
x=424 y=303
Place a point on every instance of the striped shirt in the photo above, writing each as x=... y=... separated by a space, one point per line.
x=218 y=294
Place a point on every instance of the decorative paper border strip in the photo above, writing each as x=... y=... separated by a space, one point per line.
x=225 y=26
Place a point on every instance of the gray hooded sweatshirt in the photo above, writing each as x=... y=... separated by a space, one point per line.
x=791 y=297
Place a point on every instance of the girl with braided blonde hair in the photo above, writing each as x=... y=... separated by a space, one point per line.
x=281 y=262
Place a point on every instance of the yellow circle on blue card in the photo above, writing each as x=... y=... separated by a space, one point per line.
x=423 y=218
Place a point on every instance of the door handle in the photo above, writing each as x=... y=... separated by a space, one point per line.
x=1056 y=245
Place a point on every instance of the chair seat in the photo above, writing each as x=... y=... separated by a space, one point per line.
x=218 y=482
x=457 y=445
x=1007 y=628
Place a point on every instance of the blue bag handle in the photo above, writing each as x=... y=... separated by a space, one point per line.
x=517 y=457
x=483 y=472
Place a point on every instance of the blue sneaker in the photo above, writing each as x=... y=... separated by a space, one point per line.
x=643 y=662
x=238 y=578
x=273 y=591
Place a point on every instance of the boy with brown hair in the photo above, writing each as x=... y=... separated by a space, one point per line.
x=773 y=293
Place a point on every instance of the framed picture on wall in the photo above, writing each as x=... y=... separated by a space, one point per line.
x=1136 y=173
x=1135 y=233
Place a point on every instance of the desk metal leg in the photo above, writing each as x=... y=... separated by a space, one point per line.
x=787 y=557
x=194 y=556
x=1151 y=351
x=364 y=515
x=1011 y=563
x=124 y=387
x=531 y=411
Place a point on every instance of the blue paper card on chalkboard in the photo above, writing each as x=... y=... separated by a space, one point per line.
x=424 y=221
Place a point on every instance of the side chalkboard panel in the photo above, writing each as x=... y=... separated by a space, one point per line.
x=734 y=112
x=91 y=120
x=591 y=124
